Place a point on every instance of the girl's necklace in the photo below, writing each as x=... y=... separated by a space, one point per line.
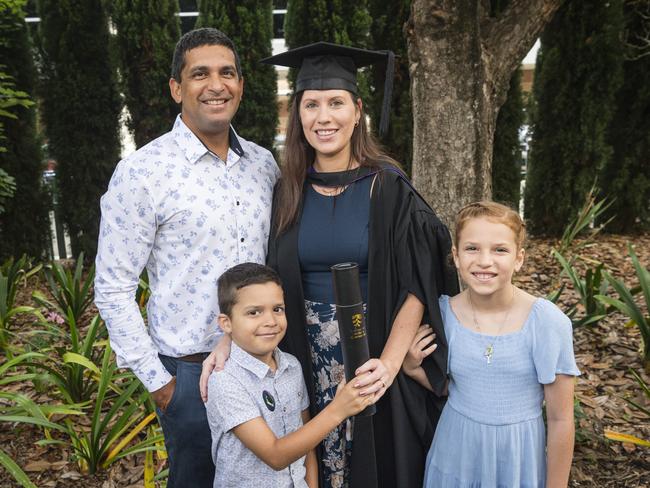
x=489 y=349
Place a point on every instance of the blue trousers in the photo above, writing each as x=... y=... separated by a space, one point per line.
x=185 y=426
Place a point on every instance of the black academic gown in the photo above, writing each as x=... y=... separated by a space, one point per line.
x=409 y=251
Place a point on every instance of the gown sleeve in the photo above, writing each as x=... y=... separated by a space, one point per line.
x=552 y=343
x=425 y=271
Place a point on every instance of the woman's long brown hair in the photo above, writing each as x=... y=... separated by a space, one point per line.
x=298 y=155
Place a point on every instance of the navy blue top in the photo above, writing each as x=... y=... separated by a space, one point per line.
x=333 y=230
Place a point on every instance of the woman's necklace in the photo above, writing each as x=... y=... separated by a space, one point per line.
x=489 y=349
x=329 y=192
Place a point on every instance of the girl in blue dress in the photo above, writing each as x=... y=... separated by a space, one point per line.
x=509 y=352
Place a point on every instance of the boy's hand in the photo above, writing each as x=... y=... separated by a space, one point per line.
x=422 y=346
x=349 y=401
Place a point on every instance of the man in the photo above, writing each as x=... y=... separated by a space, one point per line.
x=186 y=206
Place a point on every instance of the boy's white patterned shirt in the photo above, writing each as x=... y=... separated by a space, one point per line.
x=177 y=209
x=246 y=389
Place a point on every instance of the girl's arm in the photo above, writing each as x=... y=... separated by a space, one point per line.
x=422 y=346
x=561 y=430
x=382 y=371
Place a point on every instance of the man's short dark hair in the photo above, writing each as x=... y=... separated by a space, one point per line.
x=206 y=36
x=240 y=276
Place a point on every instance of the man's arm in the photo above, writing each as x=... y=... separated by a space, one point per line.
x=126 y=238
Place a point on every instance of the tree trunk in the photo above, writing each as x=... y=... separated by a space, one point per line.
x=461 y=60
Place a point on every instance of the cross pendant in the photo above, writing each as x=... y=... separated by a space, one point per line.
x=488 y=353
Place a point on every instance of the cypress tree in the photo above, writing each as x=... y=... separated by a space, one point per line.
x=627 y=174
x=387 y=31
x=506 y=149
x=24 y=223
x=147 y=31
x=506 y=155
x=249 y=23
x=81 y=108
x=577 y=74
x=346 y=23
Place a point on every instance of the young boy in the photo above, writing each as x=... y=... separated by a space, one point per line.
x=257 y=404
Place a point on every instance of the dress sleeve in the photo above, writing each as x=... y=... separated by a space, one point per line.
x=552 y=343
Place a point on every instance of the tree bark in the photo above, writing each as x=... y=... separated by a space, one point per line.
x=460 y=61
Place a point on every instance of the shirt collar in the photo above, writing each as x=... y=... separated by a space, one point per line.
x=254 y=365
x=193 y=147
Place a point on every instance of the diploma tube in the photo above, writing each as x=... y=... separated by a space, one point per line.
x=351 y=320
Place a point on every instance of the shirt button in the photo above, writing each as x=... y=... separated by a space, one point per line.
x=237 y=202
x=242 y=239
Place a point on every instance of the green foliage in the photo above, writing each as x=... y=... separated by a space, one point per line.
x=573 y=108
x=143 y=293
x=80 y=109
x=70 y=365
x=115 y=420
x=645 y=390
x=249 y=24
x=7 y=189
x=582 y=435
x=111 y=428
x=387 y=29
x=71 y=291
x=346 y=23
x=24 y=224
x=79 y=353
x=588 y=288
x=16 y=405
x=506 y=152
x=629 y=307
x=588 y=309
x=10 y=98
x=627 y=173
x=592 y=210
x=14 y=470
x=106 y=414
x=147 y=31
x=12 y=273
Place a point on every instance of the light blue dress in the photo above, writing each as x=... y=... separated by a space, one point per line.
x=491 y=432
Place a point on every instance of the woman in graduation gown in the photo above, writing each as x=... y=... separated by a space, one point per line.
x=341 y=199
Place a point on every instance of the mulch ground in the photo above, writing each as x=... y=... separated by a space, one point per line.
x=605 y=354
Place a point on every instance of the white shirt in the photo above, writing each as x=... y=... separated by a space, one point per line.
x=175 y=208
x=244 y=390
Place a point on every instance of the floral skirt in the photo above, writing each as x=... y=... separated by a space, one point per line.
x=328 y=371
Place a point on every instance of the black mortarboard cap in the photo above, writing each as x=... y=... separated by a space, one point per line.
x=327 y=66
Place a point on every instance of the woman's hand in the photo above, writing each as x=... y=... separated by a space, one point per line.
x=374 y=377
x=214 y=362
x=422 y=346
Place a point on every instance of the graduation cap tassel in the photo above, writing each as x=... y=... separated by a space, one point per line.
x=388 y=93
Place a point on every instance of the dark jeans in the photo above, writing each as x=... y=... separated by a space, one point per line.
x=187 y=433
